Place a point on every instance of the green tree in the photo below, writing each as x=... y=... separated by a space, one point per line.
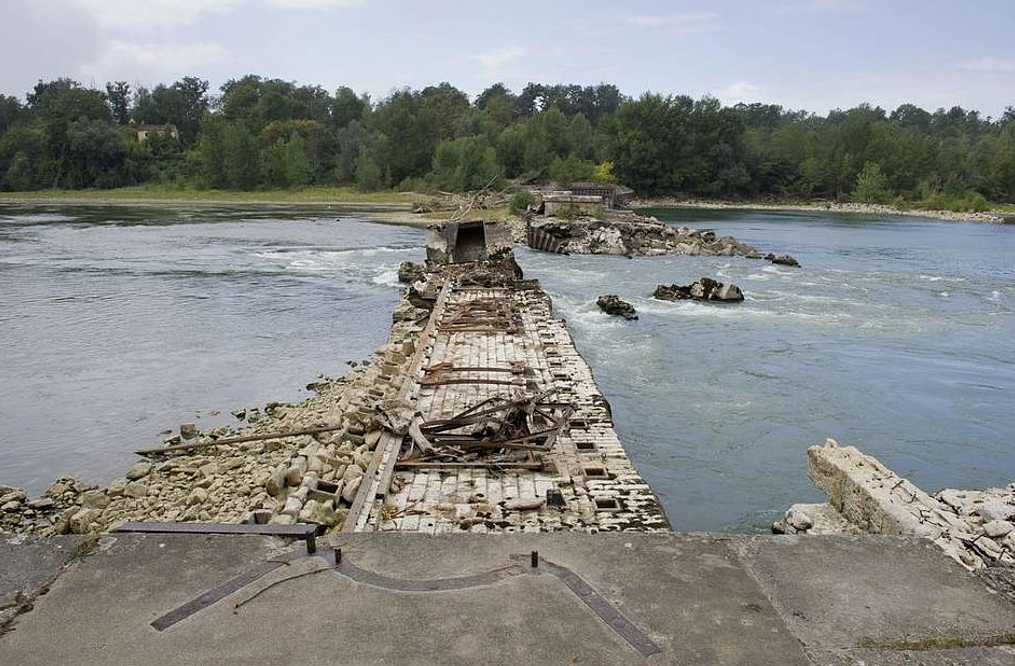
x=571 y=169
x=118 y=97
x=297 y=163
x=411 y=135
x=96 y=153
x=23 y=158
x=369 y=176
x=468 y=163
x=871 y=185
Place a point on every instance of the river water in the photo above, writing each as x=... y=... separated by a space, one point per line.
x=894 y=336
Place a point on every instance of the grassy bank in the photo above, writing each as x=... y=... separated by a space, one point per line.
x=394 y=207
x=345 y=196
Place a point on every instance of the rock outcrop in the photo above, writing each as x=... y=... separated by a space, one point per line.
x=704 y=289
x=612 y=304
x=974 y=527
x=782 y=260
x=409 y=272
x=632 y=235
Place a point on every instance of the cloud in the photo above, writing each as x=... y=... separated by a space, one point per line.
x=153 y=13
x=128 y=61
x=493 y=62
x=823 y=7
x=989 y=64
x=741 y=91
x=838 y=6
x=44 y=41
x=175 y=13
x=314 y=4
x=682 y=22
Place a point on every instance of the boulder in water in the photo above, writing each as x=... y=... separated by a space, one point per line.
x=409 y=272
x=611 y=304
x=704 y=289
x=782 y=260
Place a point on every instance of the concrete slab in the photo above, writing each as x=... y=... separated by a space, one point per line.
x=27 y=566
x=702 y=599
x=842 y=594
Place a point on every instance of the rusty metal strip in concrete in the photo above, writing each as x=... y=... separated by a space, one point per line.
x=230 y=586
x=212 y=596
x=613 y=618
x=373 y=579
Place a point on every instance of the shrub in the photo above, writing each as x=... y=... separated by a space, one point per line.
x=519 y=202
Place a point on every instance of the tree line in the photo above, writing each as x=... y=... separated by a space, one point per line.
x=258 y=133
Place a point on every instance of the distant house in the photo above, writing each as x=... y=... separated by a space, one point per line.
x=585 y=198
x=609 y=194
x=581 y=204
x=144 y=131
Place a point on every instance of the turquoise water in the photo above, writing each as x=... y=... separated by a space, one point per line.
x=894 y=336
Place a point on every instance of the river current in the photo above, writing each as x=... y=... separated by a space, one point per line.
x=895 y=335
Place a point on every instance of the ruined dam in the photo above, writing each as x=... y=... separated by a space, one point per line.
x=504 y=425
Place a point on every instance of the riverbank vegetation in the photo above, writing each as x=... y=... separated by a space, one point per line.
x=293 y=142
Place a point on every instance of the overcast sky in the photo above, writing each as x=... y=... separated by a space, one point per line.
x=803 y=54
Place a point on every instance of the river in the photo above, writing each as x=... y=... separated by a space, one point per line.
x=895 y=336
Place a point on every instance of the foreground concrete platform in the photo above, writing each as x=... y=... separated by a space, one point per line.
x=456 y=599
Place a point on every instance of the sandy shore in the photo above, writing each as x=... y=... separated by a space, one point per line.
x=400 y=213
x=824 y=207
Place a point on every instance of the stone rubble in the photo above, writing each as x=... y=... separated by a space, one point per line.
x=629 y=234
x=974 y=527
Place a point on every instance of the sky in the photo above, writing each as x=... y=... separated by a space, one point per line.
x=812 y=55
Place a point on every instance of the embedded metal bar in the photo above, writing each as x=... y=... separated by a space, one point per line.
x=212 y=596
x=613 y=618
x=367 y=577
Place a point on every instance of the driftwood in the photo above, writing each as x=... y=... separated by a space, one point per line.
x=235 y=440
x=502 y=432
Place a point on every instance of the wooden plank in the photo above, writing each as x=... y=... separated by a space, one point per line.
x=237 y=440
x=376 y=480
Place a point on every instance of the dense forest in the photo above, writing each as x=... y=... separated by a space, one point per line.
x=259 y=133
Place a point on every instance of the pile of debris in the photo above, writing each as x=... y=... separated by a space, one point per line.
x=507 y=431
